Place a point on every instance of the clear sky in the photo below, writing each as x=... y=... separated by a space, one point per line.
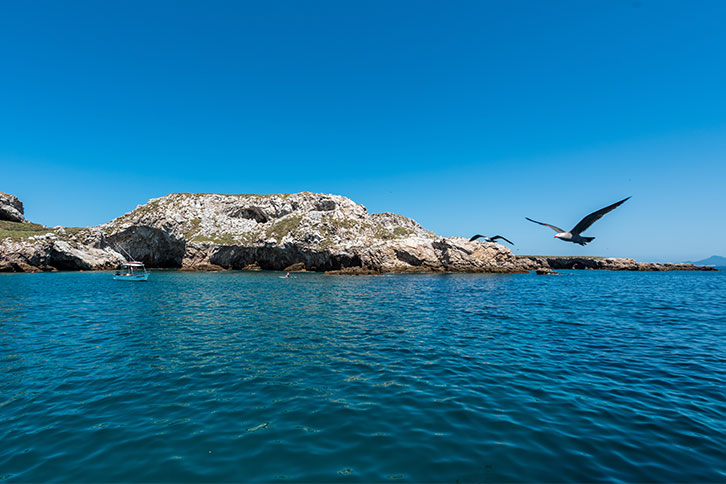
x=465 y=116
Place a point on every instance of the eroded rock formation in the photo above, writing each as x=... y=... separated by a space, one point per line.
x=301 y=231
x=11 y=208
x=53 y=251
x=309 y=231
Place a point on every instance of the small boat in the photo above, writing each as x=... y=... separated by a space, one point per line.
x=132 y=271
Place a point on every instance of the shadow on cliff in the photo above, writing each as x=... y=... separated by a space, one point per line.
x=153 y=247
x=279 y=258
x=157 y=248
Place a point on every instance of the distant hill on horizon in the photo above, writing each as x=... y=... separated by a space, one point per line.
x=714 y=260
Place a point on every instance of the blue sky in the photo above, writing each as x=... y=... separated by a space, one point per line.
x=465 y=116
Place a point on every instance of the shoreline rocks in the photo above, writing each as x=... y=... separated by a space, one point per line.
x=290 y=232
x=49 y=253
x=605 y=263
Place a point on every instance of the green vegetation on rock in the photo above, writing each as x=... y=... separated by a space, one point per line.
x=340 y=223
x=21 y=230
x=194 y=224
x=402 y=231
x=382 y=233
x=282 y=227
x=146 y=209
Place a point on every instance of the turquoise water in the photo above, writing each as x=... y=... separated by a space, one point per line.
x=233 y=376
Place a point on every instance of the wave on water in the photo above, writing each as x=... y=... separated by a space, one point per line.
x=239 y=376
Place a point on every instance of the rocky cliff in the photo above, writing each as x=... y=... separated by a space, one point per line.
x=11 y=208
x=310 y=231
x=301 y=231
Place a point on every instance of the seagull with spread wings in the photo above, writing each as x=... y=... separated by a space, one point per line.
x=490 y=239
x=574 y=234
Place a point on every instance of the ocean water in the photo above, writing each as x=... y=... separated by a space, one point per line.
x=588 y=376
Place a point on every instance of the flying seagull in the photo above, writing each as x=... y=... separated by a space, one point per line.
x=490 y=239
x=574 y=234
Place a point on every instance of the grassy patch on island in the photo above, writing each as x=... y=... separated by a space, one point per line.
x=21 y=230
x=403 y=232
x=280 y=229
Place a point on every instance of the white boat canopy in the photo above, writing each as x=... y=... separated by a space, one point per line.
x=134 y=263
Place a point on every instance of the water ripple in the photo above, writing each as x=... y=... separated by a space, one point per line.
x=472 y=378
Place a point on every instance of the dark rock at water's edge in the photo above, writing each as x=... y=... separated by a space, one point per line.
x=292 y=232
x=605 y=263
x=546 y=271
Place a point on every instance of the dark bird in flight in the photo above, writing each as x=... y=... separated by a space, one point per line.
x=574 y=234
x=490 y=239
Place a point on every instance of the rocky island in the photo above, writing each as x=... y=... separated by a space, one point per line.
x=300 y=231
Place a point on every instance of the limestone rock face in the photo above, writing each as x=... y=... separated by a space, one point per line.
x=49 y=252
x=306 y=231
x=301 y=231
x=11 y=208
